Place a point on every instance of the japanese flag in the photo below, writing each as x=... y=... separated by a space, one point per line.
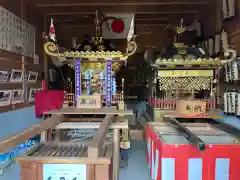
x=52 y=34
x=118 y=26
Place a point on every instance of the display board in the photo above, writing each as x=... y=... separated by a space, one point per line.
x=11 y=92
x=16 y=35
x=64 y=172
x=89 y=101
x=191 y=108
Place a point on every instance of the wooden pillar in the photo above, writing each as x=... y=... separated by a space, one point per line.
x=116 y=154
x=45 y=57
x=44 y=136
x=23 y=60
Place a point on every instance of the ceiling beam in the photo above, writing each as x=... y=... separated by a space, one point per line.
x=124 y=4
x=90 y=20
x=137 y=21
x=117 y=12
x=92 y=26
x=121 y=9
x=140 y=17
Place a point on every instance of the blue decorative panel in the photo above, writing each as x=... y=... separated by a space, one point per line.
x=77 y=78
x=109 y=83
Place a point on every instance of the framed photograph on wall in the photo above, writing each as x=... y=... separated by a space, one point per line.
x=228 y=9
x=5 y=97
x=16 y=75
x=32 y=76
x=32 y=94
x=4 y=76
x=17 y=96
x=217 y=43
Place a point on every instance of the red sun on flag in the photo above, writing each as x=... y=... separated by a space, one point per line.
x=52 y=30
x=118 y=26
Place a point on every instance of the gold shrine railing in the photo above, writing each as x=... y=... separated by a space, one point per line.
x=171 y=103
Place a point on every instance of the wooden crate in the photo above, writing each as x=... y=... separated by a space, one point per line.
x=191 y=107
x=66 y=161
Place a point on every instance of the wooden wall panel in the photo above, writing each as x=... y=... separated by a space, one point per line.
x=8 y=60
x=11 y=61
x=12 y=5
x=146 y=36
x=37 y=20
x=32 y=16
x=209 y=18
x=151 y=36
x=232 y=26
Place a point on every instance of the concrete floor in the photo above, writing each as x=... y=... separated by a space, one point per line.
x=137 y=166
x=232 y=120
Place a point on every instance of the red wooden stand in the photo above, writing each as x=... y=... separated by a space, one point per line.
x=185 y=162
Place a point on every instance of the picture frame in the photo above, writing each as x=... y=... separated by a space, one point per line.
x=217 y=43
x=32 y=94
x=17 y=96
x=4 y=76
x=16 y=75
x=210 y=46
x=228 y=9
x=206 y=45
x=5 y=97
x=32 y=76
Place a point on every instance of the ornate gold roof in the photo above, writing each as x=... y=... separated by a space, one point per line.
x=51 y=49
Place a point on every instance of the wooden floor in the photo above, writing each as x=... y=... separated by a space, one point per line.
x=137 y=166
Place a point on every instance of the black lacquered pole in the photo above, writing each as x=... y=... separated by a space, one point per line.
x=191 y=137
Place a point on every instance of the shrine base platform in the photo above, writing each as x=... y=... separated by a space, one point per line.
x=137 y=166
x=160 y=114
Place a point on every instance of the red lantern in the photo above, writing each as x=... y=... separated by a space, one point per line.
x=118 y=26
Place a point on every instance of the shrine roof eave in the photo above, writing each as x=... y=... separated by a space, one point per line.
x=188 y=62
x=51 y=49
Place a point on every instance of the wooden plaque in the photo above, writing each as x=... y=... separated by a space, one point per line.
x=93 y=101
x=191 y=107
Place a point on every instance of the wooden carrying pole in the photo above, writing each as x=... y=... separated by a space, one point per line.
x=96 y=144
x=12 y=141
